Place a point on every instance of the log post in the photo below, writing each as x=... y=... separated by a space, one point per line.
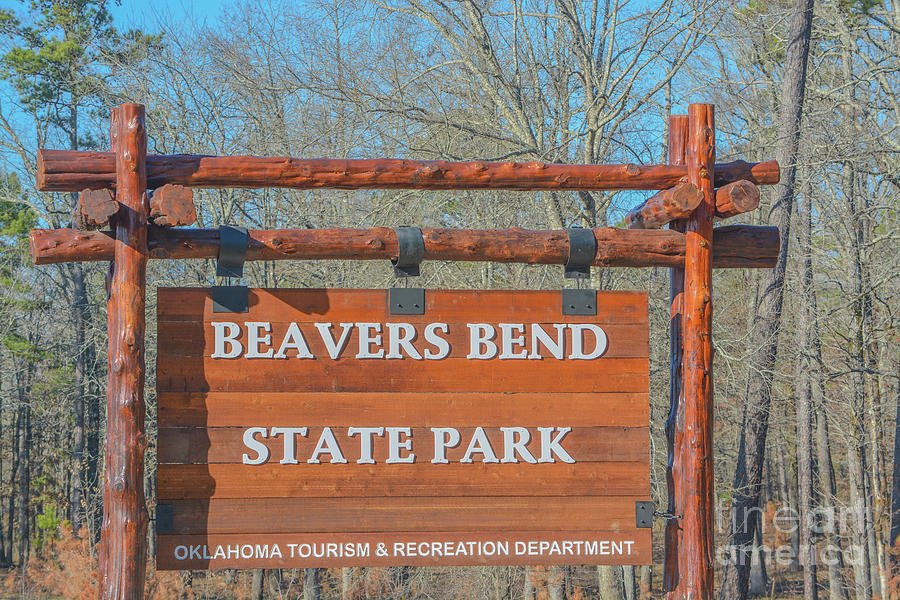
x=678 y=133
x=696 y=579
x=123 y=534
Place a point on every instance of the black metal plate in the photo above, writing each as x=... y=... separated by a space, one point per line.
x=165 y=518
x=579 y=302
x=643 y=514
x=230 y=299
x=406 y=301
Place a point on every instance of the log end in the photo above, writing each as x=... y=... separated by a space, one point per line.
x=94 y=209
x=34 y=240
x=172 y=206
x=40 y=175
x=736 y=198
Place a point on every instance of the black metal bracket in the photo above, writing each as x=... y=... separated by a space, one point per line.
x=410 y=253
x=165 y=518
x=643 y=514
x=233 y=242
x=579 y=302
x=406 y=301
x=582 y=249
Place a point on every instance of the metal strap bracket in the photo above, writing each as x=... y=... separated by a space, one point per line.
x=233 y=242
x=165 y=518
x=579 y=302
x=582 y=248
x=643 y=514
x=406 y=301
x=411 y=251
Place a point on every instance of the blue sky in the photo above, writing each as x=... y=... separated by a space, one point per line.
x=139 y=14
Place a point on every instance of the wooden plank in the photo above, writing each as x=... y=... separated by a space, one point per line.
x=230 y=409
x=475 y=479
x=453 y=306
x=449 y=375
x=524 y=548
x=403 y=514
x=225 y=444
x=186 y=339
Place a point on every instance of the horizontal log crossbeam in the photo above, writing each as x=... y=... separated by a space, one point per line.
x=735 y=246
x=68 y=170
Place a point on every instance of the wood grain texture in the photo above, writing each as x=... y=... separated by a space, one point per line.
x=425 y=480
x=431 y=409
x=350 y=375
x=94 y=209
x=401 y=514
x=66 y=170
x=224 y=444
x=172 y=205
x=739 y=246
x=123 y=533
x=356 y=305
x=610 y=549
x=677 y=202
x=697 y=541
x=678 y=135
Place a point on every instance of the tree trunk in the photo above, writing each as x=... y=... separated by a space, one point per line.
x=805 y=480
x=759 y=578
x=346 y=583
x=310 y=584
x=788 y=499
x=79 y=312
x=646 y=589
x=859 y=548
x=764 y=334
x=609 y=583
x=257 y=584
x=895 y=488
x=528 y=591
x=828 y=494
x=629 y=582
x=23 y=430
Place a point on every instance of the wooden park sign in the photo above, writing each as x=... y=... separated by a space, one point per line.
x=214 y=409
x=319 y=429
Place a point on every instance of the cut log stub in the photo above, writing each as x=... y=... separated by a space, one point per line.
x=677 y=202
x=94 y=209
x=172 y=206
x=736 y=198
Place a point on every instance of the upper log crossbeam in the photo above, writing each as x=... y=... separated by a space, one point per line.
x=67 y=170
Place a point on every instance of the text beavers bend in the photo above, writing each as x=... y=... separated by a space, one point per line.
x=254 y=339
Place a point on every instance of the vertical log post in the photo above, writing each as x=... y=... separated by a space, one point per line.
x=123 y=535
x=678 y=133
x=696 y=555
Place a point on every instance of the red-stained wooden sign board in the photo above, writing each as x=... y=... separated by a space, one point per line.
x=320 y=430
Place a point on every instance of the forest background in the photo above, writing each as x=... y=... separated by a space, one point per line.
x=807 y=356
